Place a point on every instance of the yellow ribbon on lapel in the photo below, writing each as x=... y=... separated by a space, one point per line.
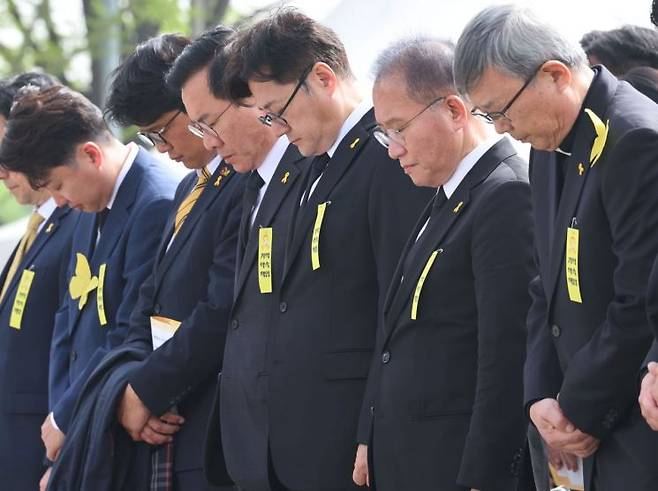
x=601 y=136
x=82 y=283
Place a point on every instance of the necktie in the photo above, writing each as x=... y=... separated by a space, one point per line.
x=188 y=203
x=317 y=168
x=439 y=201
x=23 y=246
x=254 y=183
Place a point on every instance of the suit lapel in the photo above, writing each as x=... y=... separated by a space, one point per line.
x=210 y=192
x=47 y=231
x=287 y=172
x=577 y=171
x=348 y=150
x=439 y=226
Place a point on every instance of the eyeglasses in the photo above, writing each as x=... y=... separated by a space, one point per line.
x=493 y=116
x=270 y=118
x=385 y=137
x=157 y=137
x=200 y=129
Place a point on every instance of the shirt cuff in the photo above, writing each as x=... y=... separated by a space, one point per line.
x=52 y=421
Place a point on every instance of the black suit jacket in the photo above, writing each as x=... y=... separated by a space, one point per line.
x=590 y=352
x=447 y=385
x=322 y=330
x=191 y=282
x=25 y=352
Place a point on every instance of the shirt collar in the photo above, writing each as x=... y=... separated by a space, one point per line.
x=46 y=208
x=127 y=164
x=467 y=163
x=355 y=116
x=211 y=166
x=267 y=169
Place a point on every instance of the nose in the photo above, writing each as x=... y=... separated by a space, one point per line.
x=59 y=199
x=502 y=125
x=163 y=147
x=212 y=143
x=395 y=150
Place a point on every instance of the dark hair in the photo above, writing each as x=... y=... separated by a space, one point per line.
x=281 y=47
x=424 y=63
x=139 y=94
x=645 y=80
x=624 y=48
x=45 y=127
x=654 y=13
x=197 y=55
x=9 y=89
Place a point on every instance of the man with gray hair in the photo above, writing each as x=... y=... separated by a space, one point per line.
x=445 y=388
x=594 y=177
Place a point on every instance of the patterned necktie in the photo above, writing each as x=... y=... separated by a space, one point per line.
x=23 y=246
x=317 y=168
x=188 y=203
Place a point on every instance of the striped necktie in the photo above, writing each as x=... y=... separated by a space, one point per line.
x=23 y=246
x=188 y=203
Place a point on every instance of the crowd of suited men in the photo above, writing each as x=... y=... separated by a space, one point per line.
x=347 y=289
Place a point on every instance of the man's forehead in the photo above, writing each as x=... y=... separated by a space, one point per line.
x=490 y=88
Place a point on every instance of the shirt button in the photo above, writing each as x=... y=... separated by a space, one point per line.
x=386 y=357
x=555 y=331
x=283 y=306
x=235 y=323
x=156 y=308
x=73 y=355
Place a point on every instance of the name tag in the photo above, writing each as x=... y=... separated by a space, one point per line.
x=162 y=330
x=265 y=259
x=100 y=302
x=315 y=239
x=421 y=282
x=571 y=262
x=20 y=300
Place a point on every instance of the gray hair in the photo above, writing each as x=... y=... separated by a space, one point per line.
x=513 y=40
x=425 y=63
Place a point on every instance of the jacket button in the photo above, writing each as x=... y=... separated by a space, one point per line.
x=73 y=356
x=555 y=331
x=386 y=357
x=283 y=306
x=156 y=308
x=235 y=323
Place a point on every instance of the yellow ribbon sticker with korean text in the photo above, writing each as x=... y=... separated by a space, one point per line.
x=100 y=301
x=315 y=239
x=265 y=259
x=571 y=263
x=421 y=282
x=20 y=300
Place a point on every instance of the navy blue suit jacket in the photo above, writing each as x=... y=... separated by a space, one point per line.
x=24 y=351
x=127 y=248
x=191 y=282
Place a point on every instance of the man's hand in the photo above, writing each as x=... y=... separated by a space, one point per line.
x=43 y=483
x=52 y=438
x=160 y=430
x=649 y=396
x=132 y=413
x=360 y=475
x=559 y=459
x=560 y=433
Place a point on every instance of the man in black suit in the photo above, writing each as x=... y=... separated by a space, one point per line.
x=349 y=223
x=32 y=285
x=594 y=177
x=191 y=284
x=446 y=386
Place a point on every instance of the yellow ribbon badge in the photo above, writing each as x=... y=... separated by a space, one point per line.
x=82 y=283
x=601 y=136
x=284 y=179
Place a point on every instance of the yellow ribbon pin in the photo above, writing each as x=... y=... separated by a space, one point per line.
x=601 y=136
x=218 y=181
x=82 y=283
x=284 y=179
x=458 y=207
x=581 y=169
x=354 y=143
x=50 y=227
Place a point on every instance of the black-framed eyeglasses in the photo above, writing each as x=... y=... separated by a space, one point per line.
x=157 y=137
x=493 y=116
x=200 y=128
x=271 y=118
x=385 y=137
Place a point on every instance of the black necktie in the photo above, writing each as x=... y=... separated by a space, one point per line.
x=317 y=168
x=101 y=218
x=439 y=200
x=254 y=183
